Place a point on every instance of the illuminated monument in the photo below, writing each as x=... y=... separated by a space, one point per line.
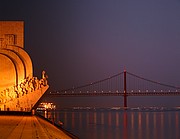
x=19 y=89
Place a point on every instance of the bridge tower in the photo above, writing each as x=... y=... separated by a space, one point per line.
x=125 y=90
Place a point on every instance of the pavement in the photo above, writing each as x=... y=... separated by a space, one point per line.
x=29 y=127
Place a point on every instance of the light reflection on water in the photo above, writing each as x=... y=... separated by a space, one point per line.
x=108 y=124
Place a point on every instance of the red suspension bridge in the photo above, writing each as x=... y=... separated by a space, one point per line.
x=122 y=84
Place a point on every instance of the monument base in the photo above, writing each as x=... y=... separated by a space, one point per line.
x=24 y=103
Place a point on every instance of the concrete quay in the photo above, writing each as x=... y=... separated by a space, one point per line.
x=29 y=127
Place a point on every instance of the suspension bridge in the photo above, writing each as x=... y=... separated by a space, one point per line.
x=123 y=84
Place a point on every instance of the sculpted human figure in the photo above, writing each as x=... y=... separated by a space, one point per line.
x=43 y=74
x=8 y=95
x=12 y=93
x=44 y=77
x=41 y=83
x=16 y=91
x=46 y=81
x=36 y=83
x=19 y=90
x=30 y=84
x=1 y=94
x=22 y=85
x=4 y=93
x=26 y=86
x=1 y=99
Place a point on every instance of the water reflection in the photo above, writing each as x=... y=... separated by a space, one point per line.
x=147 y=125
x=109 y=119
x=120 y=124
x=132 y=120
x=73 y=120
x=65 y=119
x=139 y=125
x=177 y=124
x=102 y=118
x=117 y=119
x=80 y=120
x=125 y=125
x=162 y=125
x=95 y=117
x=154 y=125
x=87 y=119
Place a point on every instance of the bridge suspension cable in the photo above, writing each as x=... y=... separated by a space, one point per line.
x=95 y=83
x=155 y=82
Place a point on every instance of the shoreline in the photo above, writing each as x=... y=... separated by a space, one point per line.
x=58 y=126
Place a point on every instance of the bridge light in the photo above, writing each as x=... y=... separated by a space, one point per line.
x=87 y=91
x=169 y=90
x=161 y=90
x=139 y=90
x=116 y=91
x=146 y=90
x=94 y=91
x=176 y=90
x=102 y=91
x=80 y=91
x=154 y=91
x=131 y=90
x=109 y=91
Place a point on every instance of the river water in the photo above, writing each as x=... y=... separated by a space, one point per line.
x=116 y=124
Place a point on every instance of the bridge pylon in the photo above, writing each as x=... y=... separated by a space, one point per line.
x=125 y=91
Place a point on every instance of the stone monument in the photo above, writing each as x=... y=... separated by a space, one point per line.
x=19 y=90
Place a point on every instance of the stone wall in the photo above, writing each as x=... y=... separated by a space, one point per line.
x=12 y=33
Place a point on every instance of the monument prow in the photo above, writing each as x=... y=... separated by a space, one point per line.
x=19 y=89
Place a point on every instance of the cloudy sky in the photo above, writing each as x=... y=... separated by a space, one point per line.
x=81 y=41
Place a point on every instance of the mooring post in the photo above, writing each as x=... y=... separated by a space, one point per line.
x=125 y=91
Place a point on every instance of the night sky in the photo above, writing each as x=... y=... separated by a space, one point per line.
x=81 y=41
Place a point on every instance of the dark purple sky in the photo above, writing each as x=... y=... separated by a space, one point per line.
x=81 y=41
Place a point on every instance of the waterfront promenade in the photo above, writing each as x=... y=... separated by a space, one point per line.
x=29 y=127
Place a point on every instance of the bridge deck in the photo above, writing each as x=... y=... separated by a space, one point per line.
x=114 y=94
x=29 y=127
